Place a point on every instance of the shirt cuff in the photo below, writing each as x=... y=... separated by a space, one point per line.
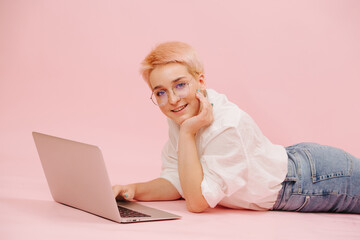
x=211 y=191
x=173 y=180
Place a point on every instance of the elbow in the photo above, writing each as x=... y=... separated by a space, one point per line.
x=197 y=206
x=196 y=210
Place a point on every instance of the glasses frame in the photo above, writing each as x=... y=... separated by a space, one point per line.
x=172 y=89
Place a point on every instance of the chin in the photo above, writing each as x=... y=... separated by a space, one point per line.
x=180 y=120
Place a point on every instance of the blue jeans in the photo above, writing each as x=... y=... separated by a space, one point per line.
x=320 y=179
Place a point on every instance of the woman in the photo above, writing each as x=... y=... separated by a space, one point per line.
x=217 y=155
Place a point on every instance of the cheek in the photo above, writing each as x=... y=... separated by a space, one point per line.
x=163 y=110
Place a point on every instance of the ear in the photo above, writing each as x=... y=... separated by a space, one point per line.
x=202 y=82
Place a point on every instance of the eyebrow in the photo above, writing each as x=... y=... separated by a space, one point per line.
x=173 y=81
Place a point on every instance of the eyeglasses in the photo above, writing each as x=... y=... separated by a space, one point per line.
x=160 y=96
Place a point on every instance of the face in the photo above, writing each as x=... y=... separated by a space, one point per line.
x=172 y=76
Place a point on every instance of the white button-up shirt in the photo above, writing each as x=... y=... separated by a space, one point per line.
x=242 y=168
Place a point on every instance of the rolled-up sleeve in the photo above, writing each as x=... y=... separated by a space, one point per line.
x=224 y=164
x=169 y=169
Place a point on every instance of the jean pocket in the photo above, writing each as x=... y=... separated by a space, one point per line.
x=291 y=175
x=306 y=201
x=295 y=203
x=328 y=162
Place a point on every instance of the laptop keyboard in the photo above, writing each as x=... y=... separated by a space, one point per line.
x=127 y=213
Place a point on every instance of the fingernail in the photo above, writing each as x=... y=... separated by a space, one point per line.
x=212 y=104
x=126 y=195
x=198 y=90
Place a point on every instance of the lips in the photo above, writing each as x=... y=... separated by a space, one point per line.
x=179 y=108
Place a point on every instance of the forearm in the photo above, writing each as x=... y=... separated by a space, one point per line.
x=155 y=190
x=190 y=173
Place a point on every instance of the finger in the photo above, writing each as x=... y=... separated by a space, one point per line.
x=205 y=105
x=199 y=94
x=116 y=190
x=120 y=197
x=202 y=98
x=119 y=193
x=206 y=108
x=127 y=195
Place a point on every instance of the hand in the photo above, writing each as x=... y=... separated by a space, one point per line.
x=203 y=119
x=124 y=192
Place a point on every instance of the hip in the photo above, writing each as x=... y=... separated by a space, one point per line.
x=320 y=178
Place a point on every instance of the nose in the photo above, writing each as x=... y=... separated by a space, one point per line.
x=172 y=98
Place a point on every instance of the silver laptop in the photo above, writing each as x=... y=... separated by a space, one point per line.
x=77 y=177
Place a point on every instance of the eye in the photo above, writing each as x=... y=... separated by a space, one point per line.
x=160 y=93
x=180 y=85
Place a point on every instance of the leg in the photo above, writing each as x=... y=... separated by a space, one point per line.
x=320 y=179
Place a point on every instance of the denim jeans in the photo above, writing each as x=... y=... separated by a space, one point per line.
x=320 y=179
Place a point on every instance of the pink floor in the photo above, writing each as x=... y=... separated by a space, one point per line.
x=27 y=211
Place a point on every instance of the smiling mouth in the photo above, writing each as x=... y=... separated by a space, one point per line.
x=179 y=109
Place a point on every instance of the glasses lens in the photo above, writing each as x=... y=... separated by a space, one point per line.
x=159 y=97
x=182 y=89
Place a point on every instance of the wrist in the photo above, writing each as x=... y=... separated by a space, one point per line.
x=134 y=188
x=186 y=132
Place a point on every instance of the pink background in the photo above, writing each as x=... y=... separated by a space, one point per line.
x=70 y=69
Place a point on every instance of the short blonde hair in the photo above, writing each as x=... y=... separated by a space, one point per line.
x=171 y=52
